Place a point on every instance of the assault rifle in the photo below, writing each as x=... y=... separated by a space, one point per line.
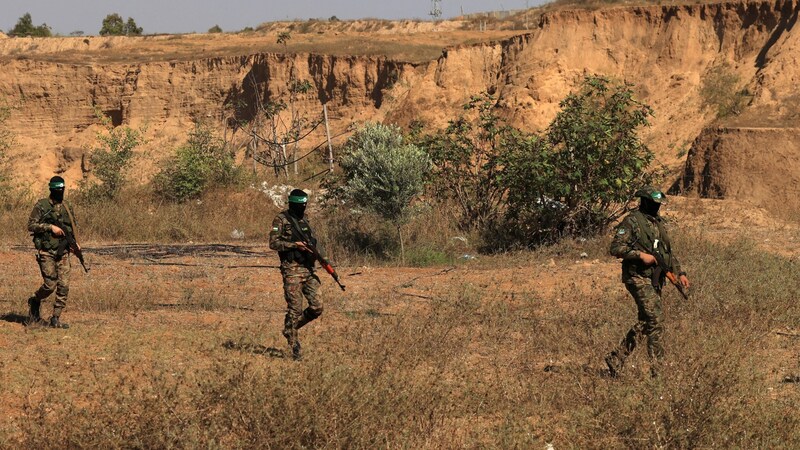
x=73 y=245
x=663 y=269
x=317 y=255
x=69 y=236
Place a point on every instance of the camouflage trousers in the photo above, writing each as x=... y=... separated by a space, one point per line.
x=299 y=283
x=55 y=273
x=648 y=324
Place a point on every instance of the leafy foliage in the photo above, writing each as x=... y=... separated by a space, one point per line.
x=595 y=158
x=382 y=174
x=575 y=178
x=114 y=25
x=721 y=91
x=203 y=162
x=25 y=27
x=465 y=158
x=111 y=162
x=215 y=29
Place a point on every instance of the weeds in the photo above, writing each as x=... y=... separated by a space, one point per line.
x=470 y=367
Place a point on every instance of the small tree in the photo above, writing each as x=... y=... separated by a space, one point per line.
x=25 y=27
x=201 y=163
x=113 y=25
x=721 y=91
x=215 y=29
x=110 y=162
x=465 y=156
x=131 y=29
x=382 y=174
x=579 y=176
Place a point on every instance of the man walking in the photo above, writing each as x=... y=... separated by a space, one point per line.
x=48 y=217
x=290 y=232
x=640 y=235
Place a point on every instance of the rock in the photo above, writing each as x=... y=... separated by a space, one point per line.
x=237 y=234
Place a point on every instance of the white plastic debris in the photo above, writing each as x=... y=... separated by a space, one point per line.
x=237 y=234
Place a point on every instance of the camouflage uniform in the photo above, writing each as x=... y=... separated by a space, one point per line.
x=299 y=280
x=637 y=232
x=53 y=253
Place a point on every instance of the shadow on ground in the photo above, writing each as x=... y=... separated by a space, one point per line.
x=14 y=318
x=256 y=349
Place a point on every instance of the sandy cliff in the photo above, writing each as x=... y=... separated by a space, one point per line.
x=665 y=50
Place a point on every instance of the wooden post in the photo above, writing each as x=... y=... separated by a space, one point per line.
x=285 y=159
x=328 y=134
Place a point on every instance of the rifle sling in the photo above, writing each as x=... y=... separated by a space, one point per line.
x=71 y=222
x=298 y=229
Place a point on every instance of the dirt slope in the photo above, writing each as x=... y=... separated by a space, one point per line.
x=166 y=82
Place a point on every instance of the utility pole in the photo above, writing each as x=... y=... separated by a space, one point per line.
x=436 y=10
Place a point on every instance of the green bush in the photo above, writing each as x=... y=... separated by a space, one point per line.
x=110 y=163
x=203 y=162
x=721 y=92
x=579 y=176
x=466 y=158
x=113 y=25
x=381 y=174
x=215 y=29
x=518 y=188
x=25 y=27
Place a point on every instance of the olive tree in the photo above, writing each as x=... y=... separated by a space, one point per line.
x=382 y=174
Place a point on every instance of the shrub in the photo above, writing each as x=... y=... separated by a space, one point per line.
x=382 y=174
x=25 y=27
x=465 y=157
x=113 y=25
x=110 y=163
x=720 y=91
x=215 y=29
x=203 y=162
x=518 y=188
x=579 y=177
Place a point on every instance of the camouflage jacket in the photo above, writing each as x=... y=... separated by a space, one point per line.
x=44 y=215
x=639 y=232
x=283 y=238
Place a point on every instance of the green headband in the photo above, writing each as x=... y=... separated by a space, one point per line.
x=57 y=185
x=298 y=199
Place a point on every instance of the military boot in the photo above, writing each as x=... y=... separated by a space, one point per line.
x=34 y=317
x=297 y=352
x=614 y=364
x=55 y=322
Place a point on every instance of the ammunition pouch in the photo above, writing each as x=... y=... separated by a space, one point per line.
x=296 y=257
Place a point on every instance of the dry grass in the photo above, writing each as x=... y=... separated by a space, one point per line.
x=489 y=355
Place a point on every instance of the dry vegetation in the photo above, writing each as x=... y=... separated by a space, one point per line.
x=179 y=346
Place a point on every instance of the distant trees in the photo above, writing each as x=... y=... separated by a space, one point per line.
x=215 y=29
x=25 y=27
x=113 y=25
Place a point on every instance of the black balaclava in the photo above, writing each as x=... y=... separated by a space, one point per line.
x=57 y=189
x=297 y=203
x=649 y=207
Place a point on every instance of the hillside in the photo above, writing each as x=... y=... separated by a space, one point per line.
x=415 y=73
